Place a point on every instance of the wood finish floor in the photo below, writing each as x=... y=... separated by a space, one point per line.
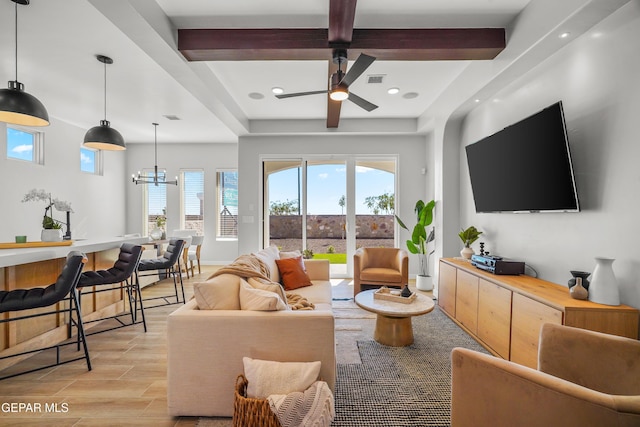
x=127 y=386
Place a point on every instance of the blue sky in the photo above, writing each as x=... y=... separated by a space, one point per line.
x=327 y=183
x=19 y=144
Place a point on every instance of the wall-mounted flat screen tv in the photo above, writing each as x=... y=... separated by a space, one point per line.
x=525 y=167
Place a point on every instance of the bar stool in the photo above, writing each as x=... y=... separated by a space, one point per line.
x=167 y=263
x=54 y=294
x=123 y=274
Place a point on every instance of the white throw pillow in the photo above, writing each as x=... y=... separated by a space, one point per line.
x=266 y=377
x=219 y=293
x=269 y=256
x=271 y=287
x=259 y=299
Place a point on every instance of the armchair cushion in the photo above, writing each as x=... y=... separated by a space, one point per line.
x=380 y=266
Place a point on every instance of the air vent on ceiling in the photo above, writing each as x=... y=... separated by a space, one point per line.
x=375 y=78
x=171 y=117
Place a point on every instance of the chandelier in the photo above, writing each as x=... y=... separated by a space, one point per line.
x=159 y=177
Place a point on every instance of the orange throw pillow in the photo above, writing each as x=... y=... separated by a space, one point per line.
x=292 y=273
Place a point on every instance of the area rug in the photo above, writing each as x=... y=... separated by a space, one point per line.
x=396 y=386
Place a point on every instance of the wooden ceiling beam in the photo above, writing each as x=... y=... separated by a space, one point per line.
x=312 y=44
x=342 y=14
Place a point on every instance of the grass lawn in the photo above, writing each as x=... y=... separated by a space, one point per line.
x=333 y=258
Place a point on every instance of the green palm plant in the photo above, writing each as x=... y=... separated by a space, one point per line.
x=469 y=235
x=419 y=236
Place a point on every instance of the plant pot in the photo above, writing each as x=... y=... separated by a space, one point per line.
x=424 y=283
x=51 y=235
x=466 y=252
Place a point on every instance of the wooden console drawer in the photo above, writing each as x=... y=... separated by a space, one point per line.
x=527 y=317
x=467 y=301
x=447 y=289
x=494 y=317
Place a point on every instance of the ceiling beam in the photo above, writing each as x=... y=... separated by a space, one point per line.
x=342 y=14
x=312 y=44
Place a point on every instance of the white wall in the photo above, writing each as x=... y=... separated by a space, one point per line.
x=414 y=154
x=172 y=157
x=597 y=78
x=97 y=201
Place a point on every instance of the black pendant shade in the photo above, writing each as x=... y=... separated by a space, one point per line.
x=17 y=106
x=104 y=137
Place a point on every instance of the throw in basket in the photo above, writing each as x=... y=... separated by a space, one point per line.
x=252 y=412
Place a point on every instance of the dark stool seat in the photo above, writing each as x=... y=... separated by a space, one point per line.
x=169 y=262
x=123 y=273
x=27 y=299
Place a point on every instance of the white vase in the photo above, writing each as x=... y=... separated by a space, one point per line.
x=424 y=283
x=466 y=252
x=603 y=286
x=51 y=235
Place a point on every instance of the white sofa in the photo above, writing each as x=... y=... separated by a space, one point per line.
x=206 y=347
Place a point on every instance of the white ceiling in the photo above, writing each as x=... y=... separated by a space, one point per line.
x=58 y=41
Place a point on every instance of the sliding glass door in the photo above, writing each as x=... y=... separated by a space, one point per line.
x=326 y=208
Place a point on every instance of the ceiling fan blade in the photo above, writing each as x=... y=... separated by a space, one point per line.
x=333 y=112
x=291 y=95
x=362 y=103
x=358 y=67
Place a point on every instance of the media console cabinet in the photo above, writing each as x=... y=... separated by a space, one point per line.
x=505 y=313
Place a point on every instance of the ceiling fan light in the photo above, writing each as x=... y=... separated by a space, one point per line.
x=104 y=137
x=340 y=93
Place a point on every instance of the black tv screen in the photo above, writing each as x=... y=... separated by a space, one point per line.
x=525 y=167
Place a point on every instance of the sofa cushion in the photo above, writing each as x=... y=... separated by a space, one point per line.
x=293 y=274
x=271 y=287
x=267 y=377
x=269 y=256
x=259 y=299
x=290 y=254
x=218 y=293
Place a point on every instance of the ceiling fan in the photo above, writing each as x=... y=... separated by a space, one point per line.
x=339 y=82
x=386 y=44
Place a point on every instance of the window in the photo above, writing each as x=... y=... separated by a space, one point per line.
x=89 y=160
x=192 y=200
x=25 y=145
x=155 y=198
x=227 y=197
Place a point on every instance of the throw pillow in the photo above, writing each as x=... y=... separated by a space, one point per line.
x=219 y=293
x=269 y=256
x=267 y=377
x=290 y=254
x=259 y=299
x=271 y=287
x=293 y=273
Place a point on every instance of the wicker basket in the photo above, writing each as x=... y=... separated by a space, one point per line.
x=249 y=412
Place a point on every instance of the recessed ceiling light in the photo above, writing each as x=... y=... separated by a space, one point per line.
x=393 y=91
x=565 y=35
x=476 y=100
x=256 y=95
x=277 y=90
x=410 y=95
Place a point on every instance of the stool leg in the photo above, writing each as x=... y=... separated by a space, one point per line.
x=138 y=292
x=80 y=326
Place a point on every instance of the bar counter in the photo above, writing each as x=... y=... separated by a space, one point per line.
x=24 y=268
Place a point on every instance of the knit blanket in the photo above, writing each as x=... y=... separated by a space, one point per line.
x=246 y=266
x=312 y=408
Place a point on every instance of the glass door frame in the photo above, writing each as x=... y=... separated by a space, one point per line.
x=350 y=161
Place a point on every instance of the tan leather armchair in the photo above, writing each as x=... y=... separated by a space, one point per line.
x=584 y=378
x=380 y=267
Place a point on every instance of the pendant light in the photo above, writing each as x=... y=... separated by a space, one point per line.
x=159 y=178
x=16 y=105
x=104 y=137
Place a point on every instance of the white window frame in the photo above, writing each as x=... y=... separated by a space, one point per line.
x=98 y=162
x=182 y=182
x=38 y=144
x=219 y=206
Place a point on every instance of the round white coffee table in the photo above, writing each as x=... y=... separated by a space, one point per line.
x=393 y=321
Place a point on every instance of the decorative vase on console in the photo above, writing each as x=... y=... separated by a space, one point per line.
x=603 y=288
x=577 y=291
x=156 y=234
x=583 y=275
x=51 y=235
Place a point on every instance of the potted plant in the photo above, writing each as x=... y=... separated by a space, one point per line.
x=51 y=228
x=420 y=240
x=468 y=236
